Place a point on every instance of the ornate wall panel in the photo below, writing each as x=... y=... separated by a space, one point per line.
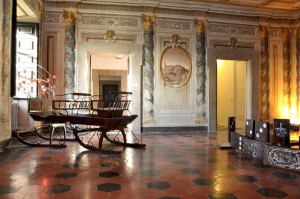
x=53 y=18
x=110 y=21
x=174 y=25
x=231 y=29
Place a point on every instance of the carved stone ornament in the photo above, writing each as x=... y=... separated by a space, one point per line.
x=52 y=18
x=231 y=29
x=174 y=25
x=110 y=21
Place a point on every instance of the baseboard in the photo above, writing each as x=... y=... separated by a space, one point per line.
x=174 y=129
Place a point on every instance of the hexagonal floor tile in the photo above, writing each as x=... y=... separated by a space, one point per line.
x=71 y=166
x=269 y=192
x=168 y=197
x=109 y=174
x=106 y=165
x=158 y=185
x=6 y=189
x=190 y=170
x=109 y=187
x=59 y=188
x=222 y=195
x=285 y=175
x=246 y=178
x=204 y=181
x=260 y=165
x=65 y=175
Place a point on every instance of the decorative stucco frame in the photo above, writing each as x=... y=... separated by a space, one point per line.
x=176 y=55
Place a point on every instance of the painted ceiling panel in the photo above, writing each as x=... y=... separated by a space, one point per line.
x=270 y=4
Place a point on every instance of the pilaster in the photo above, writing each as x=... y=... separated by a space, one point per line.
x=148 y=70
x=201 y=72
x=70 y=44
x=264 y=40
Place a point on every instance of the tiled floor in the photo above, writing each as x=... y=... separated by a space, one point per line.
x=173 y=165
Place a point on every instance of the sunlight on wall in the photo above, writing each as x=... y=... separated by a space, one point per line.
x=231 y=92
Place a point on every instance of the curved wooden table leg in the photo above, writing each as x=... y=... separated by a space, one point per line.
x=34 y=143
x=124 y=143
x=90 y=146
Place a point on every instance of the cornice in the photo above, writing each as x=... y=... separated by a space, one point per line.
x=175 y=11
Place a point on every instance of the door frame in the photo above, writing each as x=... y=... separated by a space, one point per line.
x=247 y=91
x=253 y=91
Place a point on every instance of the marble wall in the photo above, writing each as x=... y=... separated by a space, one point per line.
x=180 y=106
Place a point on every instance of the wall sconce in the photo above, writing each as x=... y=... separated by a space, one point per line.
x=110 y=36
x=175 y=40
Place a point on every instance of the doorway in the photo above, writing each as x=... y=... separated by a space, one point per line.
x=109 y=73
x=231 y=93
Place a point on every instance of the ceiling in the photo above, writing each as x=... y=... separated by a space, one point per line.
x=289 y=5
x=25 y=13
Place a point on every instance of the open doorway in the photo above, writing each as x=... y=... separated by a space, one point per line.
x=109 y=72
x=231 y=93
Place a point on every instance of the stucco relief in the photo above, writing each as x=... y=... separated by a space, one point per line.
x=176 y=25
x=231 y=29
x=215 y=43
x=52 y=18
x=110 y=21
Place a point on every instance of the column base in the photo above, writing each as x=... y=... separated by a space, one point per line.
x=201 y=120
x=149 y=121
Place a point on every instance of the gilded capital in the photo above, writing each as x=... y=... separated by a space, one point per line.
x=70 y=17
x=148 y=21
x=264 y=30
x=199 y=25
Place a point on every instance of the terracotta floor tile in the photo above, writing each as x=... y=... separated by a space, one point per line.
x=184 y=165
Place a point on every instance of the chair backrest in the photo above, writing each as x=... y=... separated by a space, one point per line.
x=111 y=101
x=72 y=103
x=250 y=128
x=262 y=131
x=281 y=132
